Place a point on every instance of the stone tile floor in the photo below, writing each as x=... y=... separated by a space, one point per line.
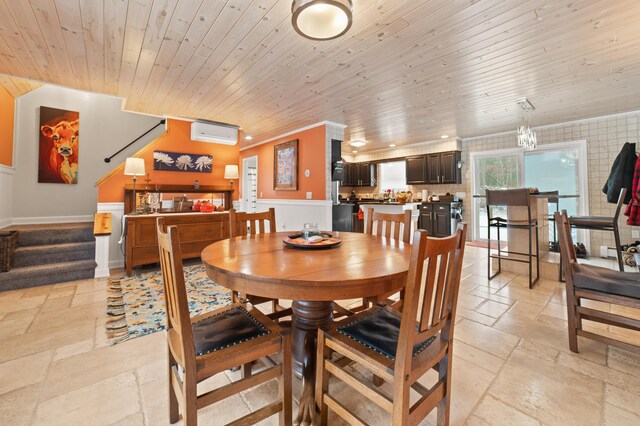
x=512 y=364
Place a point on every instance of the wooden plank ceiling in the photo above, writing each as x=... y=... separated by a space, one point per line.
x=407 y=71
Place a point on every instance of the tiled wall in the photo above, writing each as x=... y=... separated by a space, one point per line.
x=604 y=135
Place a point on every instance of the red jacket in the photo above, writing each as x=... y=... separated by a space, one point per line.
x=633 y=208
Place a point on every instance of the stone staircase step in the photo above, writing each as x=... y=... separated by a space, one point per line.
x=31 y=276
x=53 y=253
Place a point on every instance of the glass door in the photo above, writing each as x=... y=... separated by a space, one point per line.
x=493 y=170
x=555 y=167
x=558 y=167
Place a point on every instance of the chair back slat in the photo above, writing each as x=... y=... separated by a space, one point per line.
x=438 y=294
x=175 y=291
x=444 y=273
x=383 y=223
x=429 y=286
x=253 y=223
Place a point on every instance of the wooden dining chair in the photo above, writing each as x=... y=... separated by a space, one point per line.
x=604 y=223
x=400 y=347
x=396 y=226
x=589 y=282
x=208 y=344
x=244 y=224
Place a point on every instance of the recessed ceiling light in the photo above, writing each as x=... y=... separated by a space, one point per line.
x=354 y=151
x=357 y=143
x=444 y=136
x=248 y=138
x=392 y=145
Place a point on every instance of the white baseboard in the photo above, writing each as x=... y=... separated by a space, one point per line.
x=4 y=223
x=115 y=264
x=50 y=219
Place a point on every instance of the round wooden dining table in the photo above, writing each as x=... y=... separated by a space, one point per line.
x=262 y=265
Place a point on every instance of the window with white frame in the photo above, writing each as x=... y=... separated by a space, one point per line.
x=392 y=175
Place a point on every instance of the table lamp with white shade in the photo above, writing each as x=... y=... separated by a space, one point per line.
x=134 y=167
x=231 y=172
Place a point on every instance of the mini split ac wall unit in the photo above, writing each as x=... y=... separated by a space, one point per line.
x=208 y=131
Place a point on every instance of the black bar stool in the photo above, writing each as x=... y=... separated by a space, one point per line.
x=512 y=198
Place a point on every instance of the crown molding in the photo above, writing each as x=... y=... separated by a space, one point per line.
x=302 y=129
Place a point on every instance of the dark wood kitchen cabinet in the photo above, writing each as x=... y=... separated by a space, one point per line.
x=439 y=167
x=348 y=174
x=433 y=168
x=416 y=169
x=449 y=170
x=435 y=219
x=359 y=174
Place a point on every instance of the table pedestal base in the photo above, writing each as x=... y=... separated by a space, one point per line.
x=307 y=318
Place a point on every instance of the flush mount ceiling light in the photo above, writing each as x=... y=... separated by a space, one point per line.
x=322 y=19
x=392 y=145
x=444 y=136
x=248 y=138
x=357 y=143
x=526 y=135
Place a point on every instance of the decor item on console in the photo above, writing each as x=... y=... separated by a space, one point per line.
x=134 y=167
x=285 y=166
x=58 y=146
x=179 y=162
x=526 y=135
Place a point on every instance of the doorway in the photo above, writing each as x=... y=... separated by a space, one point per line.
x=249 y=184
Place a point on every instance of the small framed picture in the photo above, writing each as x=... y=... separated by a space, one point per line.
x=285 y=166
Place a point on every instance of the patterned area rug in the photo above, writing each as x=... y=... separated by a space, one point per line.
x=135 y=305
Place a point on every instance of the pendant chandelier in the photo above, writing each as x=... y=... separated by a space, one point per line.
x=322 y=19
x=526 y=135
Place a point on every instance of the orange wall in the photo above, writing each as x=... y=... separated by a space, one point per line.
x=177 y=139
x=7 y=110
x=311 y=155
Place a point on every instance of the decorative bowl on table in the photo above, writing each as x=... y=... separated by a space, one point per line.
x=312 y=238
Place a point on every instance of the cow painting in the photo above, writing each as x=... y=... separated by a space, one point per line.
x=59 y=138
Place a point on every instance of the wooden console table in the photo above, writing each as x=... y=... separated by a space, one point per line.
x=129 y=204
x=196 y=230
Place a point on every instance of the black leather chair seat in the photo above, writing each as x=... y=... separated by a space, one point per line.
x=607 y=280
x=225 y=329
x=591 y=221
x=379 y=331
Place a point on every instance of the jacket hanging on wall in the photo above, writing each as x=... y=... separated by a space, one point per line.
x=633 y=209
x=621 y=175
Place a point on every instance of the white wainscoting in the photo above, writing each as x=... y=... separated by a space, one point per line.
x=292 y=214
x=6 y=195
x=116 y=258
